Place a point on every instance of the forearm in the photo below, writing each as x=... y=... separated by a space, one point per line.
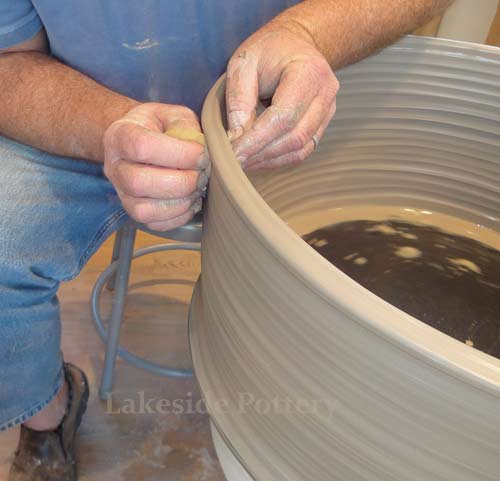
x=49 y=105
x=348 y=30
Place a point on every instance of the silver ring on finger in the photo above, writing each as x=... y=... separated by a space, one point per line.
x=315 y=141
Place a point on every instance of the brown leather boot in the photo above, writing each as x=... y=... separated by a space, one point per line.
x=49 y=455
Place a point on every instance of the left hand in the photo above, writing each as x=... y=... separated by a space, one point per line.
x=284 y=64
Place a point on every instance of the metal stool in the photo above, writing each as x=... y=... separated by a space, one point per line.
x=116 y=276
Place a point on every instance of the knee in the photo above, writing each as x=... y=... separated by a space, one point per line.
x=24 y=278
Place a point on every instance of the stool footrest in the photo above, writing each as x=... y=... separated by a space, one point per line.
x=127 y=356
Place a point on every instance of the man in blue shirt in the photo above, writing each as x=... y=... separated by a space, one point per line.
x=89 y=90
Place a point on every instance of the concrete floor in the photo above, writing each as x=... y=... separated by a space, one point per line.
x=137 y=436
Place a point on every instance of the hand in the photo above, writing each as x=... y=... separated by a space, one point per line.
x=283 y=64
x=158 y=177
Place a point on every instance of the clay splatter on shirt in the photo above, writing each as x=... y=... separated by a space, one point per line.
x=144 y=44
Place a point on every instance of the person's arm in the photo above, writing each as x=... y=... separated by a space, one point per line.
x=291 y=59
x=346 y=31
x=53 y=107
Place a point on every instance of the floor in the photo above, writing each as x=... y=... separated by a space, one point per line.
x=152 y=428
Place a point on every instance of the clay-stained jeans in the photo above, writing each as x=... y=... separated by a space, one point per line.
x=54 y=213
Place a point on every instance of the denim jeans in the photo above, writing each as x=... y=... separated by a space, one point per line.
x=54 y=214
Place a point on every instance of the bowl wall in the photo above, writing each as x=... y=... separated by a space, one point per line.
x=307 y=374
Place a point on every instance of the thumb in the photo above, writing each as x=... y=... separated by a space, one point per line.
x=242 y=93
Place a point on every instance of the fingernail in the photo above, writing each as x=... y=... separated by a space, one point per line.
x=202 y=181
x=233 y=134
x=204 y=161
x=196 y=207
x=240 y=118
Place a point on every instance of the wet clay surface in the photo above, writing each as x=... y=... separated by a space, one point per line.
x=451 y=283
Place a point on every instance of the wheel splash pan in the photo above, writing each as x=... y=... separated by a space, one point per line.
x=376 y=394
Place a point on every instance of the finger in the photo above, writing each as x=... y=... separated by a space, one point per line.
x=175 y=222
x=291 y=100
x=145 y=210
x=189 y=134
x=291 y=158
x=162 y=117
x=312 y=123
x=242 y=92
x=141 y=180
x=134 y=143
x=297 y=156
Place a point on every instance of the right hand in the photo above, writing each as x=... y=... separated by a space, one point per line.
x=159 y=178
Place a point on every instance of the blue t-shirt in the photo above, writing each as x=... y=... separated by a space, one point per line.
x=152 y=50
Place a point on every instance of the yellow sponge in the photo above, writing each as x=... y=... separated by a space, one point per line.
x=186 y=134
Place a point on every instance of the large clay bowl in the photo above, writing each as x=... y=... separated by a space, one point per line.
x=417 y=125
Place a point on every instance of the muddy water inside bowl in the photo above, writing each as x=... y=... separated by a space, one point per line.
x=442 y=270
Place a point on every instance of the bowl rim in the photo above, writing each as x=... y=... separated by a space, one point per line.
x=356 y=302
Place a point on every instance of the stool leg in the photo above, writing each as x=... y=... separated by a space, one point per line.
x=116 y=253
x=121 y=286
